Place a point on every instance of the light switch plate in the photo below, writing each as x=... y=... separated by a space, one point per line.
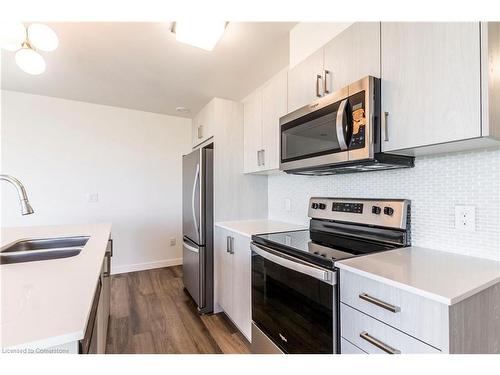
x=172 y=242
x=465 y=218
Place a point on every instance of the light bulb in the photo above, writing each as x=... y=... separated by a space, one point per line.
x=42 y=37
x=30 y=61
x=12 y=35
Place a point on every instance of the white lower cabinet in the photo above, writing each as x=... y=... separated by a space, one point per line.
x=381 y=318
x=373 y=336
x=347 y=347
x=233 y=278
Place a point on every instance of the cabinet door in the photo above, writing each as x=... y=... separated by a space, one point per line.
x=430 y=83
x=224 y=270
x=274 y=106
x=352 y=55
x=242 y=284
x=302 y=81
x=252 y=131
x=203 y=124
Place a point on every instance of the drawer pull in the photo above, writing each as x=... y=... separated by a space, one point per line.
x=379 y=303
x=379 y=344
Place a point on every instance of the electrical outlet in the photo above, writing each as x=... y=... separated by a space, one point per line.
x=93 y=197
x=465 y=218
x=288 y=204
x=172 y=241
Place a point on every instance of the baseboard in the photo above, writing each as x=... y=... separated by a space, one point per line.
x=145 y=266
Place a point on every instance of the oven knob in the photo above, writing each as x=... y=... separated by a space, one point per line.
x=388 y=211
x=322 y=206
x=315 y=205
x=376 y=210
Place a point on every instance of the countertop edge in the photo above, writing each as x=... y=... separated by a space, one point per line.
x=49 y=342
x=293 y=227
x=418 y=291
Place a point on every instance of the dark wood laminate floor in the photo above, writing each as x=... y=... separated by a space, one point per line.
x=151 y=313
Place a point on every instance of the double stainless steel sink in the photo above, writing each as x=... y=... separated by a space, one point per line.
x=42 y=249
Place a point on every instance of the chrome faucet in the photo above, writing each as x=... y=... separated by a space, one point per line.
x=26 y=208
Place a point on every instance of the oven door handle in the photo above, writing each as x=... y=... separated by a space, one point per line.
x=339 y=125
x=318 y=273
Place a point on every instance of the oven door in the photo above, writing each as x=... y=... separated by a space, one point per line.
x=294 y=304
x=318 y=134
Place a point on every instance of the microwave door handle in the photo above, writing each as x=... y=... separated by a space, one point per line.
x=339 y=125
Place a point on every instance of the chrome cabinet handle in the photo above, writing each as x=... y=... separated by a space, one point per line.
x=231 y=245
x=379 y=344
x=379 y=303
x=261 y=158
x=109 y=249
x=325 y=84
x=318 y=77
x=228 y=244
x=385 y=126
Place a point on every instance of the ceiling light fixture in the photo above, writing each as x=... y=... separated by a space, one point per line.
x=201 y=34
x=16 y=37
x=182 y=109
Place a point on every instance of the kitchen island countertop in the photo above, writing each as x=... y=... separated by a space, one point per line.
x=47 y=303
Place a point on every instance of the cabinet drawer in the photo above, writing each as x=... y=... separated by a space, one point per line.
x=347 y=348
x=373 y=336
x=415 y=315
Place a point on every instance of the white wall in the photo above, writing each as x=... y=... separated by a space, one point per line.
x=62 y=150
x=308 y=37
x=435 y=186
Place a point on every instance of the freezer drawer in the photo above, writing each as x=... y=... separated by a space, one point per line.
x=191 y=269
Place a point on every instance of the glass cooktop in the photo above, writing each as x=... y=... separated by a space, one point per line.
x=316 y=247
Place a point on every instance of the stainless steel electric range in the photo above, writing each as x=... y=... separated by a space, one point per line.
x=295 y=293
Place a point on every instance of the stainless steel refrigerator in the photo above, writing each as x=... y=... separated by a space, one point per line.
x=197 y=226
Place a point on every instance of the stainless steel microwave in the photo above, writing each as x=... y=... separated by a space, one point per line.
x=338 y=133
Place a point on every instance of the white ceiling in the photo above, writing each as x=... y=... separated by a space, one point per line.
x=141 y=66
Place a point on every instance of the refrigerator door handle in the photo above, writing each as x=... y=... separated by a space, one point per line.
x=190 y=248
x=196 y=179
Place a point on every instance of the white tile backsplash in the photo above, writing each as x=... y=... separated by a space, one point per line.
x=434 y=186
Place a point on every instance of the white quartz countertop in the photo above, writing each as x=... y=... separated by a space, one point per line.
x=47 y=303
x=250 y=227
x=442 y=276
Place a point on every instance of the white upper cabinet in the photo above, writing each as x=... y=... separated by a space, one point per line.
x=274 y=106
x=262 y=111
x=305 y=83
x=430 y=83
x=252 y=132
x=352 y=55
x=203 y=124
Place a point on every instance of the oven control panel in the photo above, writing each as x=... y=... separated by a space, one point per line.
x=382 y=212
